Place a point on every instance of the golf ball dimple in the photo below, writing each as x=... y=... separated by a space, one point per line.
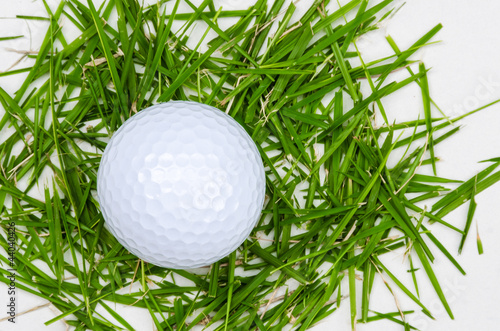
x=181 y=185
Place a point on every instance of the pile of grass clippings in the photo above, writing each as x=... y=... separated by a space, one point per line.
x=333 y=205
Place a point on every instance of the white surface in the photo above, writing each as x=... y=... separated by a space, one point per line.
x=465 y=74
x=181 y=185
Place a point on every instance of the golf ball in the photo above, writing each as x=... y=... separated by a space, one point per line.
x=181 y=185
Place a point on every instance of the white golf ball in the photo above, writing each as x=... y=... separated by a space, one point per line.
x=181 y=185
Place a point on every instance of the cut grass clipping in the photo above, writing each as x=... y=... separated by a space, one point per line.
x=333 y=205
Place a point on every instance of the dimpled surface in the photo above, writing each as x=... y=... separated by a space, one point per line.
x=181 y=185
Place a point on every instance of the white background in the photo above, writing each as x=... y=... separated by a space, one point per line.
x=465 y=74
